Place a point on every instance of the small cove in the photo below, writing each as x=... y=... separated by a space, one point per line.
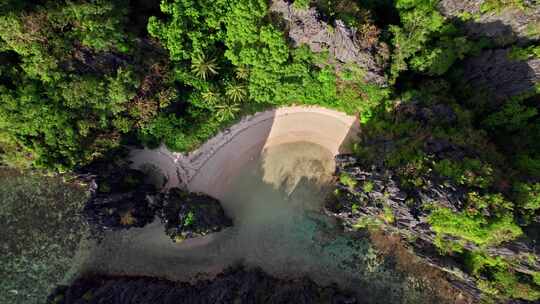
x=276 y=202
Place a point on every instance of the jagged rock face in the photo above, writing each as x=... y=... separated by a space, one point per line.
x=408 y=218
x=453 y=8
x=189 y=215
x=501 y=76
x=511 y=25
x=306 y=27
x=384 y=192
x=233 y=286
x=493 y=70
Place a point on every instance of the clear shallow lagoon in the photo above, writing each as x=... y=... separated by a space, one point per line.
x=276 y=203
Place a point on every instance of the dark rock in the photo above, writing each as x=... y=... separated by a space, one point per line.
x=443 y=149
x=120 y=200
x=511 y=25
x=86 y=61
x=233 y=286
x=500 y=76
x=435 y=115
x=189 y=215
x=306 y=27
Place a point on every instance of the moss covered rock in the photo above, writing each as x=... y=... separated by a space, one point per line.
x=189 y=215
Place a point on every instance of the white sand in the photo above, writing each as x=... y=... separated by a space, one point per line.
x=210 y=168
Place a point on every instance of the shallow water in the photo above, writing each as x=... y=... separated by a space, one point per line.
x=276 y=204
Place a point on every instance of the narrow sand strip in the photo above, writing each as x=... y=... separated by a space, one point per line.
x=209 y=168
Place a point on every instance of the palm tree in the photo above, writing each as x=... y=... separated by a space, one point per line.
x=236 y=92
x=211 y=98
x=227 y=111
x=242 y=72
x=203 y=66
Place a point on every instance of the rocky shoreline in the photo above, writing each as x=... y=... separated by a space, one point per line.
x=374 y=198
x=123 y=198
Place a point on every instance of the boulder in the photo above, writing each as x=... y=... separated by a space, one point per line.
x=123 y=198
x=120 y=199
x=189 y=215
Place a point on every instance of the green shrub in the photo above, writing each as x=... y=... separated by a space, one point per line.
x=536 y=278
x=499 y=5
x=301 y=4
x=468 y=172
x=522 y=54
x=513 y=116
x=425 y=42
x=476 y=229
x=347 y=180
x=495 y=277
x=528 y=195
x=368 y=186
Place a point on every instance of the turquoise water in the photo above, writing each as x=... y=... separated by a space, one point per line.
x=276 y=203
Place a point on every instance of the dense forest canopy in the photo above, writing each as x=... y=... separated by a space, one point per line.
x=79 y=79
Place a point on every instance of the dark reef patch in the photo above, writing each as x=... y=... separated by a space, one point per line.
x=236 y=285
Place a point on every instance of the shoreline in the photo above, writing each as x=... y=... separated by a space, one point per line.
x=207 y=168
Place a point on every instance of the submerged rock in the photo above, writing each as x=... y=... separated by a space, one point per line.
x=233 y=286
x=306 y=27
x=189 y=215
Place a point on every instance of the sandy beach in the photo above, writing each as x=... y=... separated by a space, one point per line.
x=209 y=168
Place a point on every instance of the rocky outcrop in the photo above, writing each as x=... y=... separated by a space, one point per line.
x=510 y=25
x=123 y=198
x=189 y=215
x=376 y=194
x=233 y=286
x=306 y=27
x=120 y=199
x=493 y=72
x=500 y=76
